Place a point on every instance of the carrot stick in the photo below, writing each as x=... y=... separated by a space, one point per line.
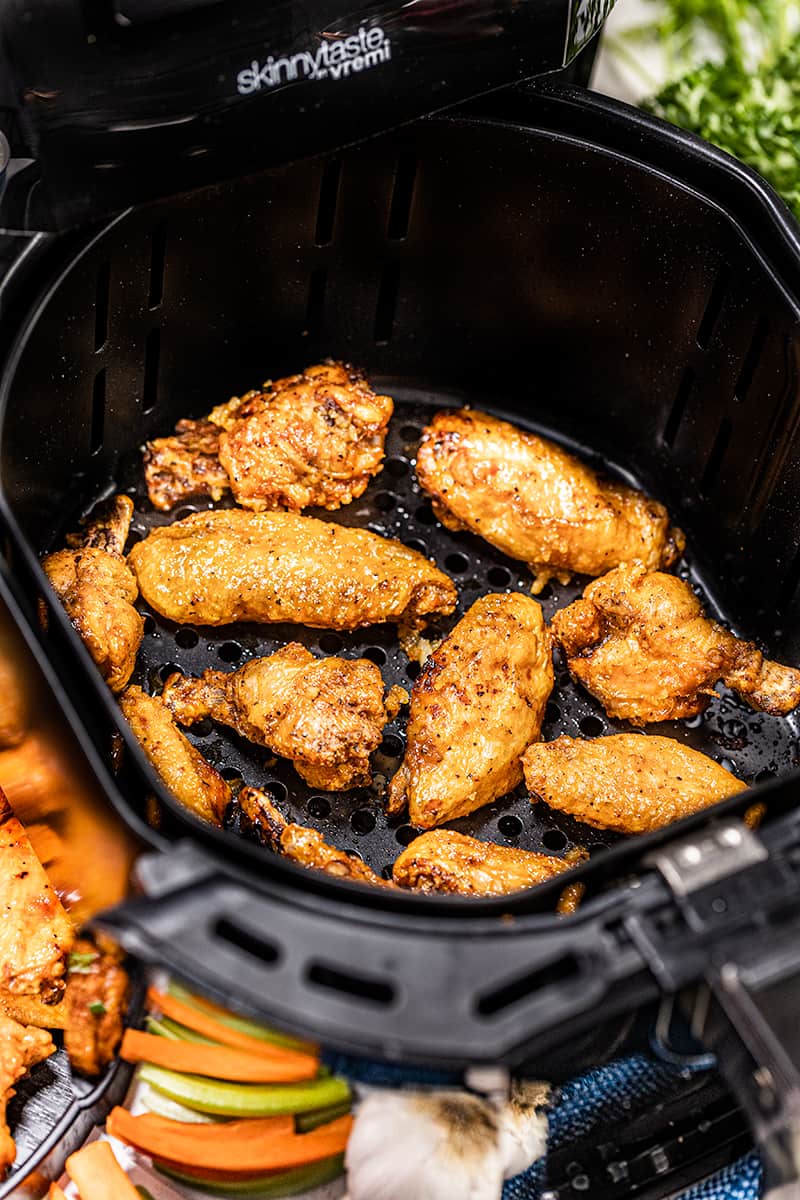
x=206 y=1024
x=215 y=1062
x=55 y=1193
x=251 y=1128
x=98 y=1176
x=232 y=1152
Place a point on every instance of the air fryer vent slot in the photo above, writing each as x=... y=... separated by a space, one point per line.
x=328 y=200
x=152 y=353
x=498 y=1000
x=705 y=330
x=752 y=359
x=673 y=422
x=158 y=253
x=98 y=412
x=101 y=306
x=386 y=304
x=251 y=943
x=402 y=197
x=715 y=458
x=361 y=987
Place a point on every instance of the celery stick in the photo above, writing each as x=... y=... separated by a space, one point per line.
x=244 y=1099
x=269 y=1187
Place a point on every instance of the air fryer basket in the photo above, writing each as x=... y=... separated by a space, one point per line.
x=550 y=256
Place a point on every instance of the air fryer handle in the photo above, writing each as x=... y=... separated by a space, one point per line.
x=442 y=990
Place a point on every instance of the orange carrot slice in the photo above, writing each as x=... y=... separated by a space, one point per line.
x=55 y=1193
x=98 y=1176
x=215 y=1062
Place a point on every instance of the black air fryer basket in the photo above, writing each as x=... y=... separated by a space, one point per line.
x=550 y=256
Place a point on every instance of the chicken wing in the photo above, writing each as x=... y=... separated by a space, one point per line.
x=626 y=782
x=535 y=502
x=35 y=933
x=191 y=779
x=20 y=1049
x=446 y=861
x=97 y=590
x=96 y=1001
x=311 y=439
x=325 y=714
x=478 y=702
x=218 y=567
x=640 y=641
x=307 y=847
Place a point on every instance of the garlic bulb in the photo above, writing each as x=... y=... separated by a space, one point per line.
x=442 y=1145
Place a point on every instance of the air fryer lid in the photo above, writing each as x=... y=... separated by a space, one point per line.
x=122 y=101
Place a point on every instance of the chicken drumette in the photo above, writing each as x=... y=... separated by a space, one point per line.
x=626 y=782
x=21 y=1048
x=640 y=641
x=326 y=715
x=219 y=567
x=311 y=439
x=445 y=861
x=191 y=779
x=97 y=589
x=477 y=704
x=535 y=502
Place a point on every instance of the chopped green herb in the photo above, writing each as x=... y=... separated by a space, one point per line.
x=79 y=964
x=97 y=1008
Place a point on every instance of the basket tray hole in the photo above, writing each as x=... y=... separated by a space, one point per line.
x=244 y=939
x=365 y=988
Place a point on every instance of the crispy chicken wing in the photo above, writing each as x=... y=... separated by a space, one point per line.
x=446 y=861
x=627 y=782
x=20 y=1049
x=325 y=714
x=97 y=589
x=477 y=704
x=219 y=567
x=640 y=641
x=96 y=1001
x=191 y=779
x=304 y=846
x=35 y=932
x=535 y=502
x=311 y=439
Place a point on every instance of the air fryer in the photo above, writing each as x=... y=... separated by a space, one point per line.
x=554 y=257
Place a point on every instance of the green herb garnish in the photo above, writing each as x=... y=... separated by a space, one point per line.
x=79 y=964
x=97 y=1008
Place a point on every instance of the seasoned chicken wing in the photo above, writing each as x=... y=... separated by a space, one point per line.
x=97 y=589
x=478 y=702
x=627 y=782
x=325 y=714
x=96 y=1001
x=191 y=779
x=307 y=847
x=219 y=567
x=35 y=932
x=20 y=1049
x=311 y=439
x=640 y=641
x=446 y=861
x=535 y=502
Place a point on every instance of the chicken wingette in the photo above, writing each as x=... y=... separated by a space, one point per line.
x=325 y=714
x=314 y=439
x=445 y=861
x=536 y=502
x=96 y=1001
x=301 y=845
x=215 y=568
x=36 y=934
x=478 y=702
x=20 y=1049
x=192 y=780
x=641 y=643
x=97 y=590
x=626 y=782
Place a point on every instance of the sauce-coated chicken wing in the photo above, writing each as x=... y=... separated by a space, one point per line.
x=445 y=861
x=478 y=702
x=535 y=502
x=20 y=1049
x=97 y=995
x=626 y=782
x=325 y=714
x=219 y=567
x=640 y=641
x=97 y=590
x=191 y=779
x=311 y=439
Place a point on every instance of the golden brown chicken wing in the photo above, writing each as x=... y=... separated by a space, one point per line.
x=20 y=1049
x=191 y=779
x=304 y=846
x=97 y=589
x=627 y=782
x=311 y=439
x=96 y=1001
x=325 y=714
x=477 y=704
x=225 y=566
x=36 y=934
x=640 y=641
x=535 y=502
x=446 y=861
